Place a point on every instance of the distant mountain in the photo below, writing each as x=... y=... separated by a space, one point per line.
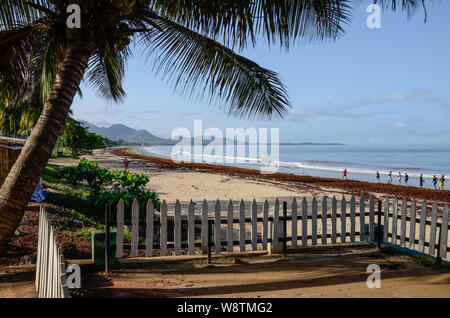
x=118 y=132
x=312 y=143
x=129 y=135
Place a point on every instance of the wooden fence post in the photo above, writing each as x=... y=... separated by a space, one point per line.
x=284 y=227
x=333 y=219
x=314 y=222
x=265 y=229
x=294 y=223
x=119 y=231
x=149 y=229
x=362 y=219
x=324 y=220
x=352 y=219
x=444 y=233
x=412 y=226
x=204 y=229
x=343 y=219
x=217 y=230
x=134 y=228
x=230 y=236
x=177 y=228
x=107 y=242
x=386 y=219
x=304 y=222
x=191 y=228
x=403 y=223
x=372 y=218
x=254 y=218
x=163 y=230
x=242 y=226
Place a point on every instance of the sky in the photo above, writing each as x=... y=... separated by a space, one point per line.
x=388 y=85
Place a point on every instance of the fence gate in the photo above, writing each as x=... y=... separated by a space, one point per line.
x=178 y=228
x=50 y=267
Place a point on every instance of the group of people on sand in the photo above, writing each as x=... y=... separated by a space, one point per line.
x=421 y=179
x=400 y=178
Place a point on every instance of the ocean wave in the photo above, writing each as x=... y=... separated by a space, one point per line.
x=335 y=168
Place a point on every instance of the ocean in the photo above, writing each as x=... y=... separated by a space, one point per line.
x=361 y=162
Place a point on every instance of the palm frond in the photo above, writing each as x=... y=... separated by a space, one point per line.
x=20 y=11
x=192 y=61
x=106 y=73
x=239 y=22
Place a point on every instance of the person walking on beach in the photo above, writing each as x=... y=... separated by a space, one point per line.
x=406 y=178
x=421 y=180
x=390 y=177
x=344 y=175
x=125 y=163
x=378 y=176
x=399 y=178
x=441 y=184
x=434 y=181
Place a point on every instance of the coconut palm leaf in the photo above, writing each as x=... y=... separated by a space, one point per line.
x=239 y=22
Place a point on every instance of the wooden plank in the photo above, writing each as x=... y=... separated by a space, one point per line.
x=149 y=229
x=394 y=221
x=403 y=223
x=163 y=229
x=276 y=227
x=217 y=230
x=119 y=233
x=444 y=232
x=230 y=226
x=39 y=250
x=352 y=219
x=177 y=228
x=431 y=247
x=304 y=222
x=134 y=228
x=333 y=219
x=294 y=222
x=254 y=217
x=265 y=228
x=314 y=222
x=242 y=226
x=191 y=228
x=343 y=219
x=412 y=225
x=386 y=219
x=423 y=218
x=372 y=218
x=324 y=220
x=362 y=218
x=204 y=227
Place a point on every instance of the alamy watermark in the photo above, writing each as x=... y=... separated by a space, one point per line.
x=374 y=279
x=73 y=21
x=374 y=19
x=249 y=146
x=73 y=272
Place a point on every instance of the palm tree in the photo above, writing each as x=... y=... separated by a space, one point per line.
x=189 y=39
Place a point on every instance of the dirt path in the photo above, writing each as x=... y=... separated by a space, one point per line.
x=17 y=281
x=326 y=273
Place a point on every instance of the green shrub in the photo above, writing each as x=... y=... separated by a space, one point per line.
x=124 y=185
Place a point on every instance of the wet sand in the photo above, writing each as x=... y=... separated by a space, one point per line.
x=300 y=184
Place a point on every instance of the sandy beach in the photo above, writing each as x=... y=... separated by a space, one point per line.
x=186 y=181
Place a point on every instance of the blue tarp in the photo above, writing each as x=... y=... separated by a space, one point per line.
x=39 y=194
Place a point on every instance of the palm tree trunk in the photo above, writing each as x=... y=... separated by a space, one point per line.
x=24 y=175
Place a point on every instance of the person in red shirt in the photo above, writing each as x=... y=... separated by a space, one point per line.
x=344 y=176
x=125 y=163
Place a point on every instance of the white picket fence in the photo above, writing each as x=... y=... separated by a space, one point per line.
x=250 y=225
x=50 y=267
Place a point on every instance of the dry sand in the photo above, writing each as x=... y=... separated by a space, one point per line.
x=336 y=272
x=186 y=184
